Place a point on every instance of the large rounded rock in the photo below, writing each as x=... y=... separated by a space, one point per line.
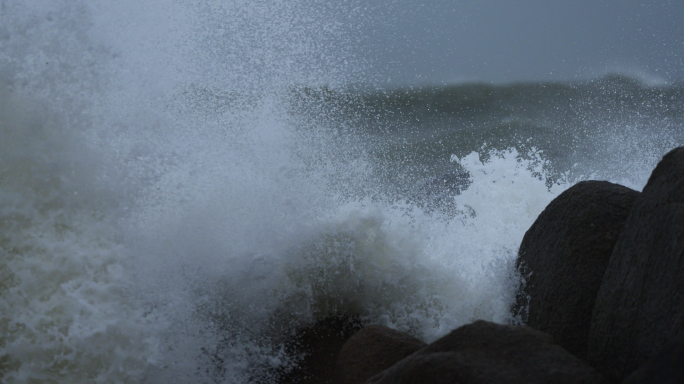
x=319 y=344
x=667 y=367
x=639 y=305
x=372 y=350
x=564 y=256
x=485 y=353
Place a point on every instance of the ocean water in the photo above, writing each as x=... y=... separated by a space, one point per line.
x=183 y=184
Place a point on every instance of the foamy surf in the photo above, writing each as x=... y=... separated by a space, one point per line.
x=211 y=278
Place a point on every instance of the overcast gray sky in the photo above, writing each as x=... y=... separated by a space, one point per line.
x=419 y=42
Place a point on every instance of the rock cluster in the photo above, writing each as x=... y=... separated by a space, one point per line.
x=606 y=266
x=484 y=352
x=603 y=269
x=564 y=255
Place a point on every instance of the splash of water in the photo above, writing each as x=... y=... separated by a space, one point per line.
x=172 y=207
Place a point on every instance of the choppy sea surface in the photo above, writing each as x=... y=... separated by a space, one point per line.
x=183 y=185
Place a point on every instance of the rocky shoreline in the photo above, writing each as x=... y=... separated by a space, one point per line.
x=603 y=269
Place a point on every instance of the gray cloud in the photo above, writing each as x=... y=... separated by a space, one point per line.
x=412 y=42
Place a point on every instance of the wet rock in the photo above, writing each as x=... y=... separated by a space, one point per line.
x=564 y=256
x=372 y=350
x=319 y=345
x=667 y=367
x=485 y=352
x=638 y=306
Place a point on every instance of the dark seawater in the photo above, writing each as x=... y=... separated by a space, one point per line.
x=591 y=128
x=183 y=185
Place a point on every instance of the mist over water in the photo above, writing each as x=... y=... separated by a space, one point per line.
x=182 y=185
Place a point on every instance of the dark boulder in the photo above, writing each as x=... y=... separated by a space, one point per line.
x=485 y=352
x=319 y=345
x=564 y=256
x=667 y=367
x=372 y=350
x=639 y=305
